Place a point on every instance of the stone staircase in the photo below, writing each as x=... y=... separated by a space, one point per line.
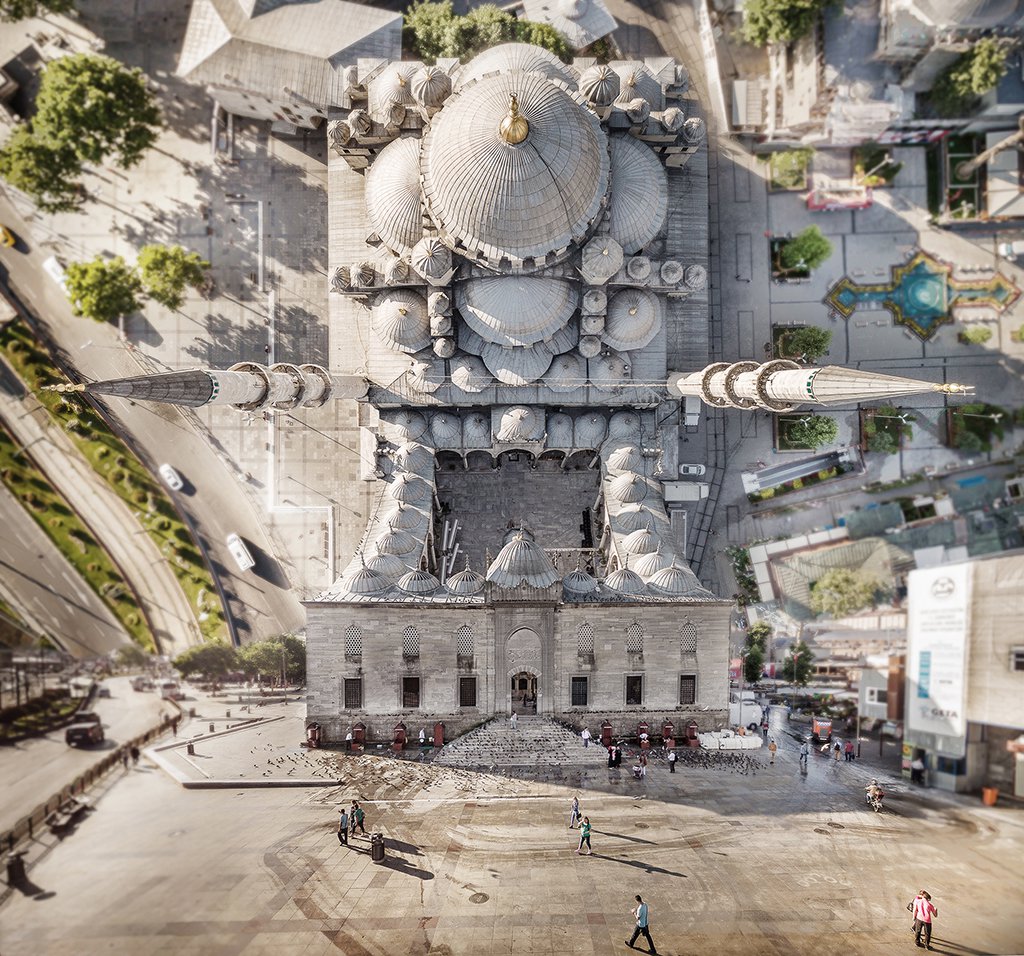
x=538 y=742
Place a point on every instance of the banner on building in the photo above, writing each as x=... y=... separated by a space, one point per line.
x=938 y=618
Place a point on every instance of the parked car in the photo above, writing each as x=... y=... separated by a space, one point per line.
x=694 y=470
x=6 y=237
x=240 y=553
x=170 y=477
x=56 y=272
x=86 y=730
x=1011 y=250
x=141 y=683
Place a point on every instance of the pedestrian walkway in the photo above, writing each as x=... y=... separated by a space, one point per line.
x=535 y=742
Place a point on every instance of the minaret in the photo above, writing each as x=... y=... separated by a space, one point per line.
x=781 y=385
x=247 y=385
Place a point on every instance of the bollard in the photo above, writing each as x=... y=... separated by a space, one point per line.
x=227 y=713
x=190 y=749
x=377 y=847
x=16 y=875
x=191 y=711
x=211 y=726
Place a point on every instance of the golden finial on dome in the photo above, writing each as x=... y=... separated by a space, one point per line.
x=514 y=128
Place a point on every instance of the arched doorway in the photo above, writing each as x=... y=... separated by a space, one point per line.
x=523 y=690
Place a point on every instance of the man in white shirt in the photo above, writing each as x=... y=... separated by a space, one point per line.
x=640 y=914
x=586 y=737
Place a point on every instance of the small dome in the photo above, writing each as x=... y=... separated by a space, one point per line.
x=514 y=58
x=636 y=81
x=695 y=277
x=409 y=425
x=567 y=372
x=431 y=86
x=638 y=110
x=634 y=517
x=590 y=430
x=465 y=583
x=391 y=87
x=651 y=563
x=427 y=375
x=694 y=130
x=400 y=320
x=600 y=85
x=392 y=195
x=517 y=366
x=602 y=258
x=641 y=542
x=476 y=431
x=671 y=272
x=396 y=270
x=516 y=310
x=446 y=430
x=366 y=273
x=628 y=487
x=394 y=541
x=408 y=488
x=638 y=268
x=445 y=347
x=522 y=561
x=624 y=425
x=469 y=373
x=638 y=204
x=634 y=319
x=439 y=303
x=431 y=258
x=623 y=457
x=579 y=582
x=676 y=580
x=559 y=426
x=521 y=423
x=672 y=119
x=411 y=456
x=625 y=582
x=590 y=346
x=405 y=518
x=359 y=122
x=365 y=581
x=390 y=565
x=608 y=372
x=595 y=302
x=418 y=582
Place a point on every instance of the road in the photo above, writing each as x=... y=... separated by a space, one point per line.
x=261 y=602
x=37 y=579
x=34 y=770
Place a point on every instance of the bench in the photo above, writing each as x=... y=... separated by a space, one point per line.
x=67 y=813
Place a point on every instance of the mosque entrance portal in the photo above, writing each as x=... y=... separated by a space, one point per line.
x=524 y=693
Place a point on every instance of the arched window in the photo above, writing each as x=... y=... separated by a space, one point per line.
x=464 y=641
x=635 y=638
x=688 y=638
x=410 y=642
x=585 y=640
x=353 y=641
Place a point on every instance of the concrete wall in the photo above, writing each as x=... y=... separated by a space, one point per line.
x=539 y=638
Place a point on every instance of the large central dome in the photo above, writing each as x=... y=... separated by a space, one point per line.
x=514 y=167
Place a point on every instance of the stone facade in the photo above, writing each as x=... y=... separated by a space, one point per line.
x=641 y=650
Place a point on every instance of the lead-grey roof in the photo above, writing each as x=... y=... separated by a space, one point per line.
x=516 y=310
x=581 y=22
x=634 y=319
x=638 y=203
x=505 y=201
x=400 y=319
x=522 y=561
x=393 y=195
x=515 y=366
x=514 y=57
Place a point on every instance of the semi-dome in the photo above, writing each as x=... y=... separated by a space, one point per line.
x=559 y=429
x=607 y=372
x=651 y=563
x=431 y=86
x=476 y=431
x=405 y=518
x=590 y=430
x=465 y=583
x=628 y=487
x=400 y=319
x=625 y=582
x=638 y=203
x=516 y=366
x=633 y=517
x=506 y=197
x=579 y=581
x=469 y=373
x=516 y=310
x=418 y=582
x=390 y=565
x=567 y=371
x=522 y=561
x=409 y=425
x=676 y=580
x=521 y=423
x=637 y=81
x=624 y=424
x=427 y=375
x=515 y=58
x=446 y=430
x=634 y=319
x=602 y=258
x=431 y=258
x=600 y=85
x=363 y=580
x=408 y=488
x=396 y=269
x=393 y=195
x=397 y=542
x=642 y=541
x=624 y=457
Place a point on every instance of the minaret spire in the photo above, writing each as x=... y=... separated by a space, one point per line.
x=781 y=385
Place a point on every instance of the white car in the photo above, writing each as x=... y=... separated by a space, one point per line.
x=56 y=272
x=240 y=553
x=1011 y=250
x=693 y=470
x=171 y=478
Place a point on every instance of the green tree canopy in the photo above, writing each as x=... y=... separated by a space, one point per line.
x=96 y=107
x=104 y=289
x=810 y=341
x=49 y=175
x=131 y=655
x=780 y=21
x=974 y=73
x=753 y=664
x=970 y=441
x=841 y=591
x=211 y=659
x=812 y=431
x=798 y=664
x=263 y=658
x=168 y=270
x=883 y=442
x=976 y=334
x=807 y=250
x=11 y=10
x=546 y=36
x=758 y=634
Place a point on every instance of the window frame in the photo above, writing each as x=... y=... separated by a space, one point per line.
x=407 y=678
x=355 y=682
x=573 y=683
x=627 y=679
x=465 y=682
x=691 y=676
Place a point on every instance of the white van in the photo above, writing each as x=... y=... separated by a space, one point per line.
x=56 y=272
x=240 y=553
x=170 y=690
x=1011 y=250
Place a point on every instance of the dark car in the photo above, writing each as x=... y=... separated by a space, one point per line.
x=85 y=731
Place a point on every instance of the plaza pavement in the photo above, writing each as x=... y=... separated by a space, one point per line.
x=763 y=862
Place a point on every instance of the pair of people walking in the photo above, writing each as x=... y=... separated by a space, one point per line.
x=923 y=912
x=349 y=820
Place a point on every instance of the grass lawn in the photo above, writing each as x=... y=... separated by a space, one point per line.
x=124 y=473
x=67 y=531
x=788 y=169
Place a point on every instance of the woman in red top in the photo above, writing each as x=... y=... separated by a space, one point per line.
x=923 y=913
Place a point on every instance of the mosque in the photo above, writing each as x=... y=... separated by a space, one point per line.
x=517 y=260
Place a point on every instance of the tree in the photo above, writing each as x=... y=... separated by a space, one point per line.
x=211 y=660
x=263 y=658
x=883 y=442
x=780 y=21
x=104 y=289
x=976 y=72
x=976 y=335
x=807 y=250
x=841 y=591
x=49 y=175
x=810 y=341
x=131 y=655
x=426 y=28
x=94 y=106
x=753 y=664
x=546 y=36
x=758 y=634
x=970 y=441
x=168 y=270
x=811 y=431
x=11 y=10
x=797 y=665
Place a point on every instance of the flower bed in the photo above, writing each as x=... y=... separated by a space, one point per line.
x=799 y=484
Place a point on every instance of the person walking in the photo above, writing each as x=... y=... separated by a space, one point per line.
x=923 y=911
x=805 y=751
x=641 y=913
x=135 y=755
x=514 y=720
x=174 y=725
x=772 y=749
x=125 y=757
x=348 y=741
x=671 y=761
x=611 y=757
x=848 y=751
x=343 y=827
x=586 y=736
x=917 y=770
x=836 y=751
x=643 y=765
x=423 y=737
x=585 y=836
x=574 y=813
x=359 y=815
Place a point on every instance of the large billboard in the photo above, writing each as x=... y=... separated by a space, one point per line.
x=937 y=622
